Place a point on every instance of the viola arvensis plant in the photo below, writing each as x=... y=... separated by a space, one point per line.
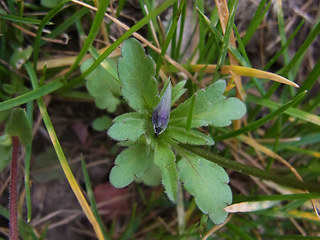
x=152 y=133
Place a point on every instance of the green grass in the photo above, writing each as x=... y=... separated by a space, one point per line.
x=279 y=117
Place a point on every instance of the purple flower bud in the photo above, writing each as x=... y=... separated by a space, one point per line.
x=161 y=114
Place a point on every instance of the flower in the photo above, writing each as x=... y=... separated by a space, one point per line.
x=161 y=114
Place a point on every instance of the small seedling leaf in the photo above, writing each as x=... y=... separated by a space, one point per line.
x=4 y=115
x=164 y=158
x=130 y=163
x=5 y=151
x=208 y=183
x=19 y=125
x=211 y=108
x=20 y=56
x=136 y=72
x=102 y=123
x=129 y=126
x=102 y=85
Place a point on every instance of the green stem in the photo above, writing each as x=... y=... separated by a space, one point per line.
x=27 y=160
x=180 y=210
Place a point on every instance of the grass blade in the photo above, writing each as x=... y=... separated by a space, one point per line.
x=43 y=23
x=126 y=35
x=256 y=20
x=263 y=120
x=243 y=71
x=226 y=40
x=18 y=19
x=283 y=47
x=63 y=161
x=27 y=160
x=170 y=34
x=91 y=198
x=312 y=78
x=294 y=112
x=32 y=95
x=62 y=27
x=95 y=27
x=301 y=51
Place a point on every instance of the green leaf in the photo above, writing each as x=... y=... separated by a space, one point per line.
x=152 y=177
x=51 y=3
x=224 y=111
x=203 y=102
x=130 y=163
x=129 y=126
x=102 y=123
x=19 y=125
x=164 y=158
x=102 y=85
x=5 y=151
x=177 y=91
x=136 y=72
x=20 y=56
x=4 y=115
x=208 y=183
x=108 y=64
x=210 y=108
x=192 y=137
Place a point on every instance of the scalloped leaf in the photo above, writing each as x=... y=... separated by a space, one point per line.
x=152 y=177
x=102 y=84
x=208 y=183
x=136 y=72
x=164 y=158
x=211 y=108
x=130 y=163
x=192 y=137
x=129 y=126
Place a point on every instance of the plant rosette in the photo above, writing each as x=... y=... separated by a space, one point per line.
x=152 y=133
